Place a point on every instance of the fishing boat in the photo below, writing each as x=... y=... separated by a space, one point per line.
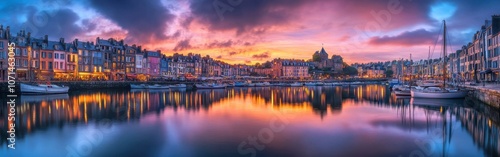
x=440 y=93
x=296 y=84
x=210 y=86
x=178 y=86
x=43 y=89
x=138 y=86
x=157 y=86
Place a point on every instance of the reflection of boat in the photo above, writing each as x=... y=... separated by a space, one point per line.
x=43 y=89
x=295 y=84
x=48 y=97
x=178 y=86
x=157 y=86
x=140 y=86
x=436 y=102
x=210 y=86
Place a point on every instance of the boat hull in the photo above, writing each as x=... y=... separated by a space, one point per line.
x=141 y=86
x=438 y=95
x=402 y=93
x=32 y=89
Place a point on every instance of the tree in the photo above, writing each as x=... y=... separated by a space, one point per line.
x=349 y=70
x=316 y=58
x=389 y=73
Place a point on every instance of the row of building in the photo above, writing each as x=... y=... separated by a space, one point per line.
x=478 y=60
x=110 y=59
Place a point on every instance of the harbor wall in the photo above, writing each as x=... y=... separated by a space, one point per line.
x=487 y=96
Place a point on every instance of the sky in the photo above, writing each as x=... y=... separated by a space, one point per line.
x=252 y=31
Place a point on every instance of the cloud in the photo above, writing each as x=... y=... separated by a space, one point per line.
x=183 y=45
x=245 y=17
x=218 y=57
x=223 y=44
x=409 y=38
x=145 y=21
x=261 y=56
x=232 y=53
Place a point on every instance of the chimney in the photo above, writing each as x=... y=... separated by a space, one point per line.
x=121 y=42
x=61 y=40
x=495 y=24
x=46 y=38
x=75 y=42
x=97 y=40
x=29 y=37
x=7 y=32
x=159 y=51
x=140 y=48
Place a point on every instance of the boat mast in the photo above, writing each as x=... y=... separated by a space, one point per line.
x=411 y=71
x=444 y=54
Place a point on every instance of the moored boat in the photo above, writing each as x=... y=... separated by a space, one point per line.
x=43 y=89
x=210 y=86
x=296 y=84
x=263 y=84
x=178 y=86
x=138 y=86
x=157 y=86
x=438 y=93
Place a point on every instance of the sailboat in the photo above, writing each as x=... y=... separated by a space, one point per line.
x=404 y=90
x=440 y=93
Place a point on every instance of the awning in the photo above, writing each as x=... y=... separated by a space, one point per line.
x=487 y=71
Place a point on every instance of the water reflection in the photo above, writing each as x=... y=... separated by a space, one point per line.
x=38 y=113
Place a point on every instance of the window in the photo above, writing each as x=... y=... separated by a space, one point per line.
x=56 y=66
x=50 y=55
x=50 y=65
x=56 y=56
x=25 y=64
x=1 y=45
x=25 y=52
x=61 y=56
x=43 y=54
x=61 y=65
x=43 y=65
x=3 y=55
x=18 y=52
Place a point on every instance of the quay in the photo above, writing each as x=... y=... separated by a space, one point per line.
x=488 y=94
x=89 y=85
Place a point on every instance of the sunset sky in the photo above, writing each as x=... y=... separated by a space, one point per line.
x=251 y=31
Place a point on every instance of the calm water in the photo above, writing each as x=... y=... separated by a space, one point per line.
x=273 y=121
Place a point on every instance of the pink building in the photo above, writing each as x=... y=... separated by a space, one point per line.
x=153 y=63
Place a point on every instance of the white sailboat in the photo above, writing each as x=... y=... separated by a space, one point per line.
x=43 y=89
x=440 y=93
